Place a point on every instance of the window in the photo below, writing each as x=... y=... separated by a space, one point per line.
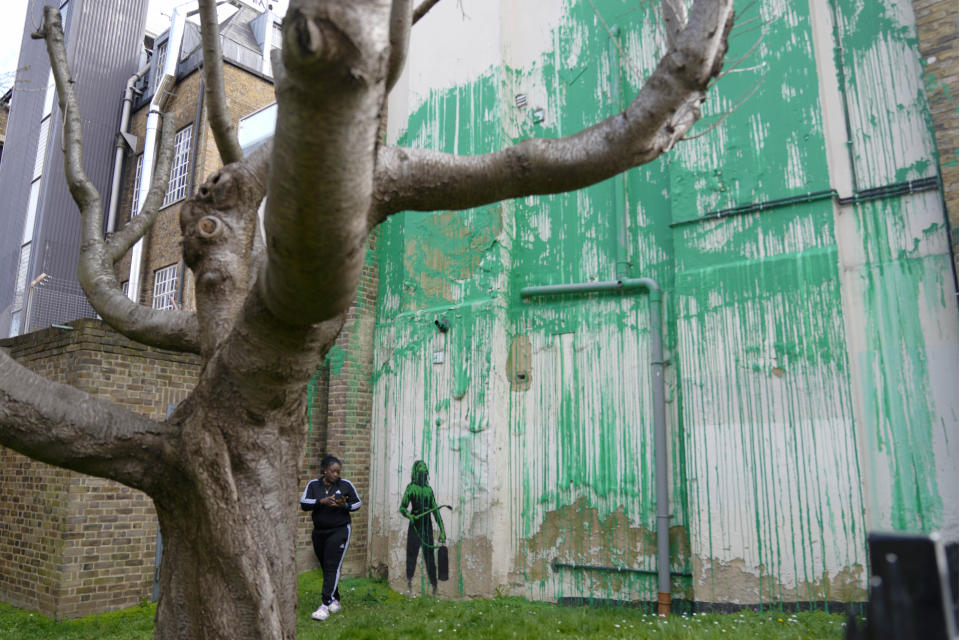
x=159 y=59
x=22 y=267
x=135 y=199
x=50 y=92
x=165 y=287
x=41 y=147
x=179 y=172
x=125 y=287
x=31 y=219
x=276 y=36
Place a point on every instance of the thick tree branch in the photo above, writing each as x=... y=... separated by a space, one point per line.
x=84 y=192
x=166 y=329
x=665 y=109
x=335 y=58
x=220 y=225
x=63 y=426
x=399 y=39
x=224 y=131
x=422 y=10
x=117 y=244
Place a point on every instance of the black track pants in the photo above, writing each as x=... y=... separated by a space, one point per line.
x=331 y=545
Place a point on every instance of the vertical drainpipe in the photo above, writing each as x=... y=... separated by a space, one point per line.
x=118 y=155
x=657 y=384
x=618 y=182
x=164 y=83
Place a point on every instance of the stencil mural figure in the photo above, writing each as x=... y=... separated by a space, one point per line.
x=417 y=505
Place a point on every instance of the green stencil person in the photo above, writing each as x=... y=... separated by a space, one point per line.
x=421 y=502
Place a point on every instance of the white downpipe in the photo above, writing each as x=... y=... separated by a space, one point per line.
x=118 y=156
x=177 y=23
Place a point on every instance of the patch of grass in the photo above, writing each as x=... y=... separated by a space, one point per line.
x=372 y=611
x=135 y=623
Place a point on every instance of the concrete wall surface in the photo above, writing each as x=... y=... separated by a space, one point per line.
x=810 y=312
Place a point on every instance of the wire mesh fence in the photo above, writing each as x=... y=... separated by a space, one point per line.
x=56 y=301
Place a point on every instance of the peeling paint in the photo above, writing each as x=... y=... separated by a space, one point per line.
x=812 y=347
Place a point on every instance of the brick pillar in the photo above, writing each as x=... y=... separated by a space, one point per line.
x=345 y=430
x=70 y=544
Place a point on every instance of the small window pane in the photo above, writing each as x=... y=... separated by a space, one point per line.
x=179 y=172
x=41 y=148
x=135 y=199
x=22 y=267
x=31 y=220
x=165 y=287
x=158 y=61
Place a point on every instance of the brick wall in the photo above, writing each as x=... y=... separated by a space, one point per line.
x=937 y=39
x=245 y=93
x=72 y=545
x=349 y=404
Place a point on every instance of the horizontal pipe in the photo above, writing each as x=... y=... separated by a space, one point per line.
x=555 y=565
x=626 y=284
x=865 y=195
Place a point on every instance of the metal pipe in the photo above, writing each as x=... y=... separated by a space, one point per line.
x=659 y=408
x=118 y=155
x=164 y=81
x=866 y=195
x=556 y=565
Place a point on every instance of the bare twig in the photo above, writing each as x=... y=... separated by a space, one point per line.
x=167 y=329
x=136 y=227
x=224 y=131
x=743 y=98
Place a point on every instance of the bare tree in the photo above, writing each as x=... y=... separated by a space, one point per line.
x=222 y=468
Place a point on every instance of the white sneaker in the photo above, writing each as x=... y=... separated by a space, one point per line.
x=334 y=606
x=322 y=613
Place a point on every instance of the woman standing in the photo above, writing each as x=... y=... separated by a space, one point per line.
x=331 y=499
x=422 y=504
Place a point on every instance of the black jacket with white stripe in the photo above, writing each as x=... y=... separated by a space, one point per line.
x=325 y=517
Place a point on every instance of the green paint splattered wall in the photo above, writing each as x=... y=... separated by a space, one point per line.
x=810 y=319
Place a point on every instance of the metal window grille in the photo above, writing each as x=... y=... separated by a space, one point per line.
x=134 y=206
x=56 y=301
x=41 y=148
x=179 y=172
x=164 y=287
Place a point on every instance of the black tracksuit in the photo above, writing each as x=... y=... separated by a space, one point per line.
x=331 y=529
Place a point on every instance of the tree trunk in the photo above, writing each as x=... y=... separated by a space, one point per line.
x=229 y=526
x=227 y=501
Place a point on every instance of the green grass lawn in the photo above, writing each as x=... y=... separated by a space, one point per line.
x=371 y=610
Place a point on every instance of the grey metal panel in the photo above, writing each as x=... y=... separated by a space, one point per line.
x=103 y=41
x=20 y=149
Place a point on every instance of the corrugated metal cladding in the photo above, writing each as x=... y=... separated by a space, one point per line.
x=812 y=341
x=103 y=40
